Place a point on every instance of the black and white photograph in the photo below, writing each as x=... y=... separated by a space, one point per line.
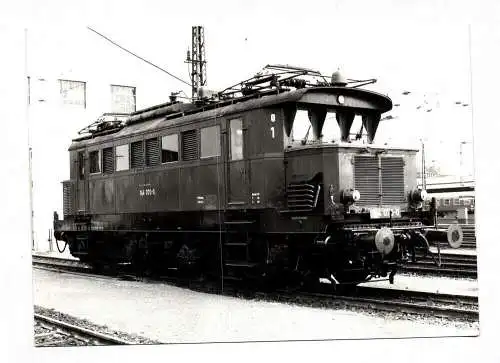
x=249 y=172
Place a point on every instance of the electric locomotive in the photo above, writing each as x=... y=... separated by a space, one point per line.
x=219 y=186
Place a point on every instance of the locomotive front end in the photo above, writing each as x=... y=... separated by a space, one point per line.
x=374 y=216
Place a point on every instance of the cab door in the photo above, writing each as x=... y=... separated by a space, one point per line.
x=238 y=175
x=82 y=183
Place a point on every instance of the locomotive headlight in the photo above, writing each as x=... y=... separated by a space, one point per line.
x=350 y=196
x=418 y=195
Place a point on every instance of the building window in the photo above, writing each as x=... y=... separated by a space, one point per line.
x=236 y=127
x=95 y=162
x=190 y=145
x=136 y=155
x=152 y=152
x=73 y=93
x=122 y=162
x=122 y=99
x=210 y=141
x=169 y=148
x=108 y=165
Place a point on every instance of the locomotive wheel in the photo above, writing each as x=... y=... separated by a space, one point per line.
x=354 y=277
x=97 y=267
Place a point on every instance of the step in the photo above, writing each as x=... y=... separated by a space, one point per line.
x=242 y=222
x=232 y=278
x=244 y=264
x=236 y=244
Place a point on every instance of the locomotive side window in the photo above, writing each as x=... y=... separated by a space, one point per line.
x=122 y=162
x=190 y=145
x=210 y=141
x=95 y=162
x=81 y=164
x=136 y=155
x=170 y=148
x=107 y=160
x=236 y=139
x=152 y=152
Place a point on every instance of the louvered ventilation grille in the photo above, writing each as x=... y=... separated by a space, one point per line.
x=108 y=164
x=152 y=152
x=366 y=179
x=393 y=181
x=189 y=145
x=302 y=196
x=68 y=196
x=136 y=155
x=390 y=183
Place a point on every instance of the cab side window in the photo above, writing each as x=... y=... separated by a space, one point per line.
x=122 y=157
x=236 y=139
x=210 y=141
x=95 y=162
x=170 y=148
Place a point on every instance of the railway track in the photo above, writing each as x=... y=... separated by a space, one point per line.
x=50 y=332
x=392 y=301
x=453 y=265
x=372 y=298
x=59 y=264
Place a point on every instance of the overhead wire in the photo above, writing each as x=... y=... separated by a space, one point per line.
x=139 y=57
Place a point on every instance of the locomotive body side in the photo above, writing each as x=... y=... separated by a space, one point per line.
x=226 y=190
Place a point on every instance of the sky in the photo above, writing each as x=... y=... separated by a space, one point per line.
x=421 y=47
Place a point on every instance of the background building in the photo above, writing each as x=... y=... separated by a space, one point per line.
x=73 y=77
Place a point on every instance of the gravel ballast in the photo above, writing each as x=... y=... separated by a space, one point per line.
x=169 y=314
x=84 y=323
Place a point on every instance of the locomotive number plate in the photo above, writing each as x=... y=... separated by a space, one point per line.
x=376 y=213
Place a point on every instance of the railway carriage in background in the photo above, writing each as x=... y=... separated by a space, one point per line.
x=219 y=186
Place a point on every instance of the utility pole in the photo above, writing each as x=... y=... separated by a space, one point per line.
x=462 y=143
x=30 y=169
x=197 y=60
x=424 y=181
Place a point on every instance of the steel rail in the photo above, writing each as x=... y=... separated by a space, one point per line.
x=393 y=305
x=80 y=332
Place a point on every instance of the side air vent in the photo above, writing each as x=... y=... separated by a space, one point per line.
x=152 y=152
x=108 y=161
x=190 y=145
x=136 y=155
x=68 y=198
x=302 y=196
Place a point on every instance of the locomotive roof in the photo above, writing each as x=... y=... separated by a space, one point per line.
x=369 y=148
x=356 y=99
